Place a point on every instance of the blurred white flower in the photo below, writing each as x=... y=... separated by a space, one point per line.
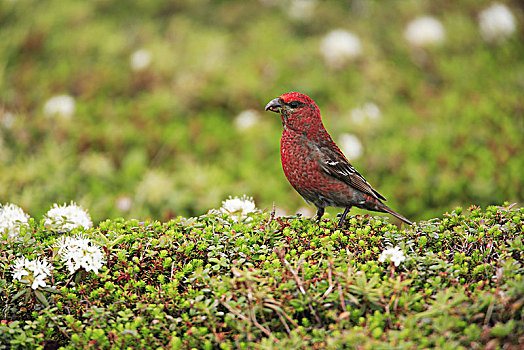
x=80 y=252
x=32 y=272
x=155 y=188
x=140 y=59
x=8 y=119
x=338 y=47
x=246 y=119
x=351 y=146
x=12 y=217
x=424 y=31
x=358 y=116
x=238 y=208
x=301 y=9
x=124 y=203
x=496 y=22
x=96 y=164
x=369 y=111
x=67 y=217
x=61 y=105
x=395 y=255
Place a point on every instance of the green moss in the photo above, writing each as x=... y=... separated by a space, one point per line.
x=220 y=292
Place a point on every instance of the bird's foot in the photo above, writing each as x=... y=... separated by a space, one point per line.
x=320 y=213
x=342 y=217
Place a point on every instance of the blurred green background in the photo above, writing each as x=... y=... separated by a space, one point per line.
x=159 y=126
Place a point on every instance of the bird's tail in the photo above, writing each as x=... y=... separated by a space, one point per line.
x=387 y=209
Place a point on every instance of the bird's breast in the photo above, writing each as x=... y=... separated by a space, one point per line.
x=302 y=169
x=297 y=159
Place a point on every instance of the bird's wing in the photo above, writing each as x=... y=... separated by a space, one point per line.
x=335 y=164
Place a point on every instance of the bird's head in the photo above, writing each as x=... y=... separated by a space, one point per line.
x=298 y=111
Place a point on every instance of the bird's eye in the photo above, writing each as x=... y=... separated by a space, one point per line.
x=293 y=104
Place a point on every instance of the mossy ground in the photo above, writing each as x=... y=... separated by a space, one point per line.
x=279 y=282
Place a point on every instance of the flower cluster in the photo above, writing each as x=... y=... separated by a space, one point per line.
x=7 y=120
x=155 y=187
x=424 y=31
x=140 y=59
x=339 y=47
x=80 y=252
x=351 y=146
x=61 y=105
x=33 y=272
x=496 y=23
x=301 y=9
x=246 y=119
x=368 y=112
x=395 y=255
x=67 y=217
x=238 y=208
x=124 y=203
x=12 y=218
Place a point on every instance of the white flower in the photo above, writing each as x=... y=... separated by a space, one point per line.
x=124 y=203
x=338 y=47
x=68 y=217
x=238 y=208
x=32 y=272
x=8 y=119
x=12 y=218
x=140 y=59
x=96 y=164
x=39 y=281
x=156 y=187
x=61 y=105
x=496 y=22
x=301 y=9
x=395 y=255
x=80 y=252
x=372 y=111
x=246 y=119
x=424 y=31
x=19 y=269
x=351 y=146
x=369 y=111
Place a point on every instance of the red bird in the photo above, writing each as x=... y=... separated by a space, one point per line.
x=315 y=166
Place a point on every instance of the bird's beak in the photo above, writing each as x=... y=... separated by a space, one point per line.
x=274 y=105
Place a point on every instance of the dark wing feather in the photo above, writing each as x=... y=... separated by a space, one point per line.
x=335 y=164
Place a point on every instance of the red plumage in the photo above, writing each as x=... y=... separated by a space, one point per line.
x=315 y=166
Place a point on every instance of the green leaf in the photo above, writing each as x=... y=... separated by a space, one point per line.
x=20 y=293
x=52 y=290
x=41 y=297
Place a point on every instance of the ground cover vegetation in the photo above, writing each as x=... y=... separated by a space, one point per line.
x=156 y=109
x=260 y=281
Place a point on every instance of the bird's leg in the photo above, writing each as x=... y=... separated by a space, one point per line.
x=320 y=213
x=341 y=221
